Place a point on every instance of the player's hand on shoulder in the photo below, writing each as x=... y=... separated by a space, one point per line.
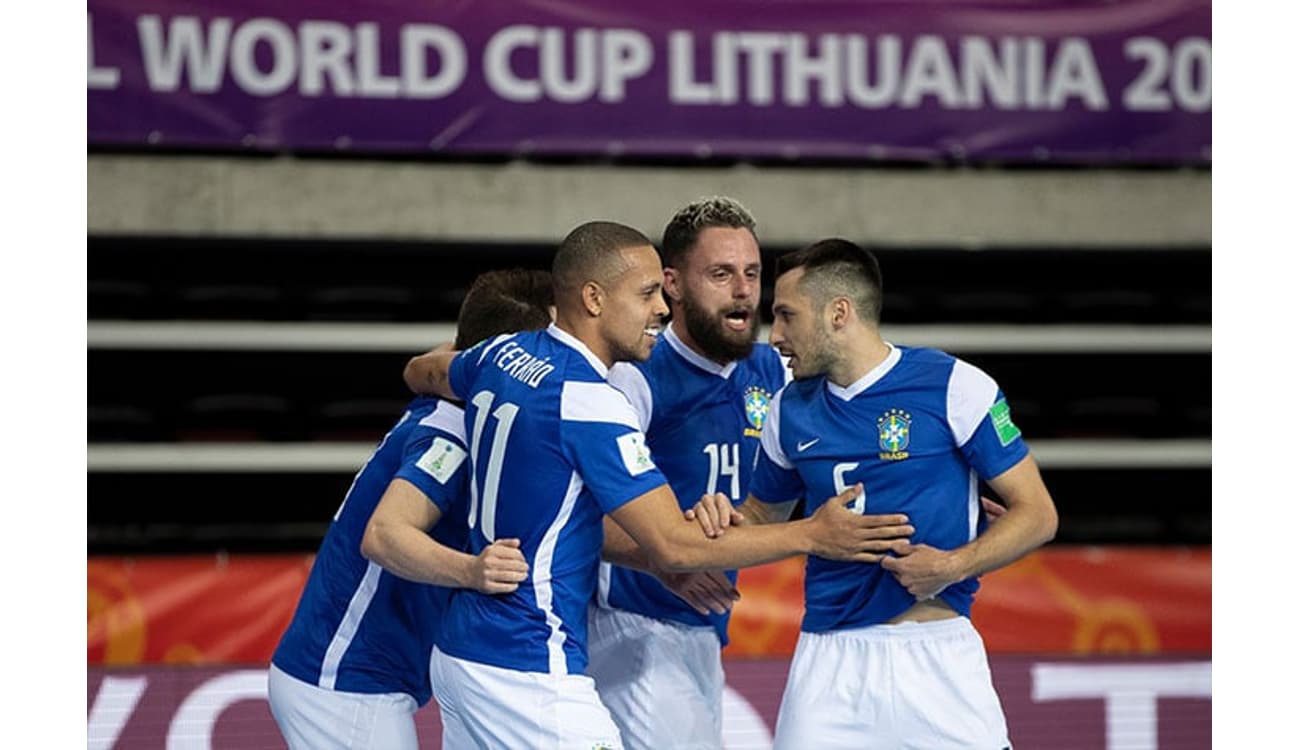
x=840 y=533
x=923 y=570
x=714 y=512
x=500 y=567
x=706 y=591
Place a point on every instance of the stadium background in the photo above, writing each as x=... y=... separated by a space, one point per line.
x=261 y=265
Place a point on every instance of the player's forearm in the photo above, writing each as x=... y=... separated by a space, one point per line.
x=410 y=553
x=621 y=549
x=427 y=373
x=687 y=549
x=1020 y=531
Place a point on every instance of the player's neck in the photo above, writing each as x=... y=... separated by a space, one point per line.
x=860 y=355
x=586 y=331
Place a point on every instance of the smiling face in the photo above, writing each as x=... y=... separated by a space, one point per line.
x=800 y=330
x=633 y=306
x=717 y=289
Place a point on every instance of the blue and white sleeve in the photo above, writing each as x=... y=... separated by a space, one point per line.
x=981 y=424
x=602 y=435
x=434 y=457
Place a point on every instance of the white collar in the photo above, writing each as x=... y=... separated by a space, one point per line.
x=572 y=341
x=694 y=357
x=866 y=381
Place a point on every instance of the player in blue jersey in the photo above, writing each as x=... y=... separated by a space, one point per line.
x=554 y=447
x=887 y=656
x=352 y=668
x=701 y=399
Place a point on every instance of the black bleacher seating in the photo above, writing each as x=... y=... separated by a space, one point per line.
x=237 y=417
x=370 y=303
x=233 y=302
x=264 y=396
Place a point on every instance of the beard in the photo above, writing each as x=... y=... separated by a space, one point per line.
x=818 y=357
x=710 y=333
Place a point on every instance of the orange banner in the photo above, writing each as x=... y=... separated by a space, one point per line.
x=190 y=610
x=1081 y=600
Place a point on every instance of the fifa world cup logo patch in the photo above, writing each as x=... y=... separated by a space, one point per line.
x=894 y=432
x=756 y=405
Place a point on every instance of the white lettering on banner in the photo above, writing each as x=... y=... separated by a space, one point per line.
x=527 y=63
x=114 y=703
x=326 y=46
x=244 y=69
x=571 y=67
x=184 y=48
x=191 y=727
x=1019 y=75
x=1190 y=78
x=267 y=57
x=1130 y=692
x=97 y=77
x=417 y=41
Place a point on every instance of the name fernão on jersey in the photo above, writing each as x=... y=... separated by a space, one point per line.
x=516 y=362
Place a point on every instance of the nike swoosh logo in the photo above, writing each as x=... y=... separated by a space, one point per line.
x=805 y=446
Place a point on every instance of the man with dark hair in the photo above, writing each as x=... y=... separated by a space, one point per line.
x=888 y=657
x=353 y=666
x=520 y=297
x=554 y=447
x=701 y=399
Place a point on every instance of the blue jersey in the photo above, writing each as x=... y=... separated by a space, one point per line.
x=359 y=628
x=919 y=432
x=554 y=447
x=702 y=422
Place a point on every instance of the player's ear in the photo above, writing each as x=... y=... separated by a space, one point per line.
x=593 y=298
x=841 y=310
x=671 y=284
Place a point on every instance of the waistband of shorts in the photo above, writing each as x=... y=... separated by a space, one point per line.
x=906 y=631
x=630 y=618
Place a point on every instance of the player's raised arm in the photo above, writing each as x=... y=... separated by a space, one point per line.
x=397 y=538
x=1029 y=522
x=426 y=374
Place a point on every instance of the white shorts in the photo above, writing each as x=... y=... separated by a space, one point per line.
x=313 y=718
x=910 y=686
x=662 y=681
x=490 y=707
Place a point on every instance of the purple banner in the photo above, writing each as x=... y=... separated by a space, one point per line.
x=1092 y=81
x=1072 y=703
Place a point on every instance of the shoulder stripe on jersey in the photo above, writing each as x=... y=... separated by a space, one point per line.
x=447 y=417
x=631 y=382
x=970 y=394
x=770 y=438
x=596 y=402
x=347 y=630
x=542 y=577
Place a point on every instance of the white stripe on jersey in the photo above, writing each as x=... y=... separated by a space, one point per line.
x=970 y=394
x=447 y=417
x=596 y=402
x=499 y=339
x=973 y=508
x=542 y=576
x=770 y=438
x=603 y=576
x=329 y=668
x=631 y=382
